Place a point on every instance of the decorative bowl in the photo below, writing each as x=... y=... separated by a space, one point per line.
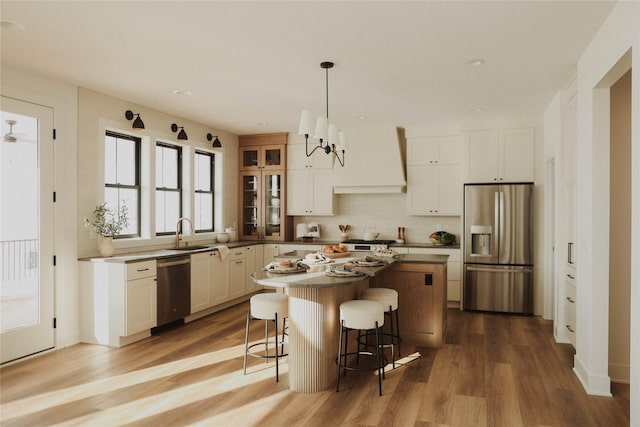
x=442 y=238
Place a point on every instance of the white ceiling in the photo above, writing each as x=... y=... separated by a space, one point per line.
x=247 y=62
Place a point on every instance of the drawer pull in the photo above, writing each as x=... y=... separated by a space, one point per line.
x=570 y=300
x=570 y=329
x=140 y=270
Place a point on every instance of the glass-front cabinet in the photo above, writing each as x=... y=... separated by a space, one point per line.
x=262 y=188
x=268 y=157
x=261 y=205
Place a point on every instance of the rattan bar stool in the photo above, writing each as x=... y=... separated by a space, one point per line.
x=360 y=315
x=389 y=299
x=270 y=307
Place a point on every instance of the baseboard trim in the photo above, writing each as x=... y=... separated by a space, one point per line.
x=597 y=385
x=620 y=373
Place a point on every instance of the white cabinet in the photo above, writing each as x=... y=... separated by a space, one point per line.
x=209 y=281
x=454 y=269
x=236 y=273
x=500 y=155
x=434 y=150
x=201 y=283
x=118 y=301
x=434 y=176
x=570 y=305
x=270 y=251
x=297 y=157
x=309 y=192
x=253 y=262
x=434 y=190
x=141 y=297
x=570 y=141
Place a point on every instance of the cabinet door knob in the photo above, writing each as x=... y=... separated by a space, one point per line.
x=570 y=300
x=570 y=328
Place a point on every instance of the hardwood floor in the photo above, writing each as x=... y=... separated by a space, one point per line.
x=495 y=370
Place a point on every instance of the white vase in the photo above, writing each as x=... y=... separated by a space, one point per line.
x=106 y=246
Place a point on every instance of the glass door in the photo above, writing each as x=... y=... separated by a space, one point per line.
x=26 y=229
x=272 y=203
x=249 y=208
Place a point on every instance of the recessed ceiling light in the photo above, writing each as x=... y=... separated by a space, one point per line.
x=11 y=25
x=182 y=92
x=475 y=110
x=476 y=62
x=262 y=124
x=361 y=117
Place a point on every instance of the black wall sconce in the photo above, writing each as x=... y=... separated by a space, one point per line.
x=182 y=134
x=216 y=141
x=138 y=124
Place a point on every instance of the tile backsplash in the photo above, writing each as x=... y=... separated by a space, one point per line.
x=385 y=213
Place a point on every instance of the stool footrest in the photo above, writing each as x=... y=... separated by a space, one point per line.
x=357 y=354
x=266 y=356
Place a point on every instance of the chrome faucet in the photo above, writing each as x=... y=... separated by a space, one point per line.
x=178 y=226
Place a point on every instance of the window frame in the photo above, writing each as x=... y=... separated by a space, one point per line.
x=137 y=147
x=212 y=180
x=178 y=189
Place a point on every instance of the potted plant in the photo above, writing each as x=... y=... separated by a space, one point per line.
x=108 y=223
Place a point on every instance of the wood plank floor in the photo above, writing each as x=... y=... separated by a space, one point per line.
x=495 y=370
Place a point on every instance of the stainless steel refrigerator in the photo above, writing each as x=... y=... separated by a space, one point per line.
x=498 y=248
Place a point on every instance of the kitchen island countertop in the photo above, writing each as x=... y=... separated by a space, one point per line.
x=321 y=280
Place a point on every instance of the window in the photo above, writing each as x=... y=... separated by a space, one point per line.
x=168 y=187
x=203 y=188
x=122 y=177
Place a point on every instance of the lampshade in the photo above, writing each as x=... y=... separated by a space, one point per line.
x=138 y=124
x=322 y=128
x=182 y=134
x=333 y=134
x=216 y=141
x=342 y=140
x=306 y=123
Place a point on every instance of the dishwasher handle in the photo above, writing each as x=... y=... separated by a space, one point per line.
x=170 y=262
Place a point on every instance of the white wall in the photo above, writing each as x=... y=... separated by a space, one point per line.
x=98 y=112
x=617 y=36
x=62 y=97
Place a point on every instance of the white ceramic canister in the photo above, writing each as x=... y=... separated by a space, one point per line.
x=233 y=233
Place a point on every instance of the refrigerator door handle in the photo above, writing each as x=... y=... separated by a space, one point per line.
x=500 y=270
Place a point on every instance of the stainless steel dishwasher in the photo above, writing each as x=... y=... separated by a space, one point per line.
x=174 y=288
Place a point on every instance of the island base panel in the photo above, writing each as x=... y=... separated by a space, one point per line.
x=314 y=319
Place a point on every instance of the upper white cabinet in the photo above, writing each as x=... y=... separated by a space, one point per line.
x=310 y=190
x=500 y=155
x=434 y=190
x=434 y=150
x=434 y=176
x=297 y=157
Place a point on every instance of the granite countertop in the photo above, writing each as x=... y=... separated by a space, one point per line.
x=195 y=248
x=319 y=279
x=166 y=253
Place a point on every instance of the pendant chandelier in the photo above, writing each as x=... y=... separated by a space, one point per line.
x=330 y=140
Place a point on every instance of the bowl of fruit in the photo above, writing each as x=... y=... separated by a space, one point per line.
x=442 y=238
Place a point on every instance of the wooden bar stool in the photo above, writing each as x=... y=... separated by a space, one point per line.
x=268 y=307
x=360 y=315
x=389 y=299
